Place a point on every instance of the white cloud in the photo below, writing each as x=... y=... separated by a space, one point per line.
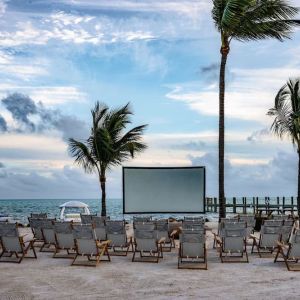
x=248 y=97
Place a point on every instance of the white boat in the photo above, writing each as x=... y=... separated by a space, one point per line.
x=71 y=210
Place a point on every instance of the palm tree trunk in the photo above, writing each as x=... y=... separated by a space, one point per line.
x=224 y=53
x=298 y=198
x=103 y=198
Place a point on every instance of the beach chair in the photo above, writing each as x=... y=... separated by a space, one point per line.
x=99 y=226
x=147 y=245
x=232 y=245
x=273 y=222
x=192 y=250
x=87 y=246
x=267 y=241
x=86 y=219
x=39 y=215
x=116 y=233
x=195 y=225
x=47 y=228
x=290 y=253
x=250 y=222
x=144 y=225
x=14 y=244
x=64 y=240
x=162 y=231
x=286 y=233
x=36 y=228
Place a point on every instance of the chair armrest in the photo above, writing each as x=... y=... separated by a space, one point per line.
x=103 y=244
x=162 y=240
x=280 y=244
x=175 y=231
x=252 y=236
x=218 y=239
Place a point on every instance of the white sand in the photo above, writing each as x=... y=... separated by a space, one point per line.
x=48 y=278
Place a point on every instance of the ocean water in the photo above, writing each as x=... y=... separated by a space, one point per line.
x=20 y=209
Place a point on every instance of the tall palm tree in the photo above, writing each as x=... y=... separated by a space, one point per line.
x=108 y=145
x=245 y=20
x=286 y=113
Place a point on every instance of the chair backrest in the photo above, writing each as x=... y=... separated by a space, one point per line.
x=144 y=225
x=273 y=222
x=288 y=222
x=286 y=231
x=194 y=219
x=98 y=221
x=269 y=235
x=249 y=219
x=86 y=219
x=192 y=243
x=116 y=232
x=85 y=238
x=234 y=240
x=280 y=217
x=39 y=215
x=145 y=240
x=9 y=237
x=64 y=235
x=100 y=228
x=294 y=251
x=36 y=227
x=47 y=227
x=8 y=229
x=142 y=219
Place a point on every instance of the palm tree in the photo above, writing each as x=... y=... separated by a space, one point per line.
x=286 y=113
x=245 y=20
x=108 y=145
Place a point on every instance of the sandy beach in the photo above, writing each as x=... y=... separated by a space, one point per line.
x=48 y=278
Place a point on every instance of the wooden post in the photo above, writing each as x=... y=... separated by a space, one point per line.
x=244 y=205
x=278 y=205
x=253 y=205
x=283 y=204
x=234 y=205
x=215 y=205
x=256 y=205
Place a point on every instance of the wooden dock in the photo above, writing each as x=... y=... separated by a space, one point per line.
x=254 y=205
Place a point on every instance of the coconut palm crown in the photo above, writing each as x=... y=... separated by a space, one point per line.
x=246 y=20
x=286 y=113
x=108 y=144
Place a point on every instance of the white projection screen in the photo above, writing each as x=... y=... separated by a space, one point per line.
x=163 y=190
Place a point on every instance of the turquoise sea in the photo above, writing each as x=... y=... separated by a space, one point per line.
x=20 y=209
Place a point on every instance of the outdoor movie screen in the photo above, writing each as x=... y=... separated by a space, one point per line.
x=163 y=190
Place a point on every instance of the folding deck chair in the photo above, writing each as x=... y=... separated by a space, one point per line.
x=88 y=247
x=290 y=252
x=116 y=233
x=233 y=245
x=147 y=245
x=99 y=226
x=162 y=230
x=36 y=228
x=64 y=240
x=267 y=242
x=47 y=228
x=192 y=250
x=14 y=244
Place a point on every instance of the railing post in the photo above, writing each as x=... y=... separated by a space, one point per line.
x=234 y=205
x=244 y=205
x=215 y=205
x=283 y=205
x=278 y=204
x=253 y=204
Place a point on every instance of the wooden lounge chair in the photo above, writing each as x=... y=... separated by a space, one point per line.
x=100 y=228
x=162 y=230
x=47 y=228
x=267 y=241
x=64 y=240
x=14 y=244
x=192 y=250
x=88 y=247
x=290 y=252
x=36 y=228
x=232 y=245
x=116 y=233
x=147 y=245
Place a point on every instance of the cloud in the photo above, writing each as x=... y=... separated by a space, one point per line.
x=192 y=145
x=277 y=177
x=32 y=117
x=248 y=97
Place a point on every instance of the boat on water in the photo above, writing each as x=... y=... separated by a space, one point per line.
x=71 y=210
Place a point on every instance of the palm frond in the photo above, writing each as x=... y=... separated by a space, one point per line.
x=82 y=155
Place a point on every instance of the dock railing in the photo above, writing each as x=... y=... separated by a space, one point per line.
x=254 y=205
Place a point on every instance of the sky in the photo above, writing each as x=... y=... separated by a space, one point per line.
x=58 y=57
